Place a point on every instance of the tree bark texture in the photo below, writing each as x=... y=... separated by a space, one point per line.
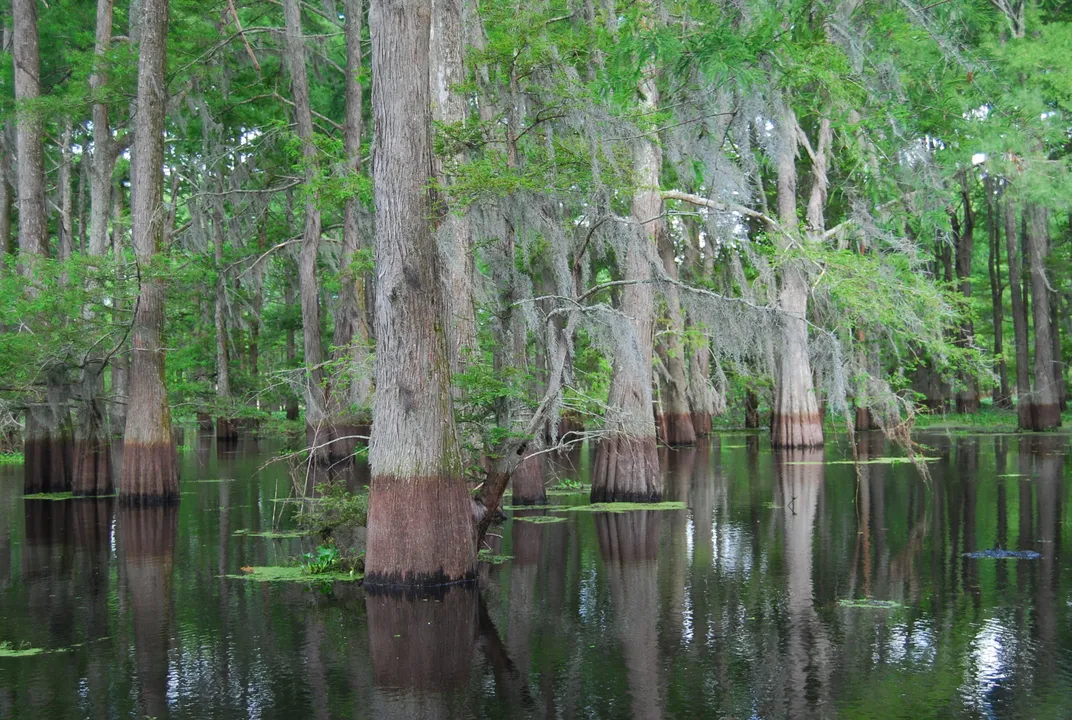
x=967 y=397
x=33 y=228
x=528 y=482
x=1002 y=396
x=675 y=412
x=150 y=467
x=420 y=526
x=1019 y=318
x=795 y=419
x=225 y=425
x=1046 y=407
x=318 y=429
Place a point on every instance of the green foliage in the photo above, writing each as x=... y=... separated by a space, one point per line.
x=334 y=509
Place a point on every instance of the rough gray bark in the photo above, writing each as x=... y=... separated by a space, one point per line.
x=1019 y=318
x=105 y=148
x=455 y=241
x=795 y=420
x=1046 y=409
x=121 y=361
x=65 y=196
x=967 y=399
x=150 y=468
x=1002 y=396
x=420 y=526
x=675 y=415
x=33 y=229
x=317 y=422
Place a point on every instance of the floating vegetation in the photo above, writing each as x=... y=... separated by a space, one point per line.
x=532 y=507
x=12 y=458
x=1002 y=554
x=7 y=650
x=772 y=506
x=1013 y=475
x=67 y=495
x=271 y=534
x=488 y=556
x=870 y=604
x=540 y=519
x=620 y=507
x=872 y=461
x=182 y=448
x=293 y=574
x=212 y=480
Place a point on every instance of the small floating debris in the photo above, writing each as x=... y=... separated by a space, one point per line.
x=872 y=461
x=870 y=603
x=540 y=519
x=1001 y=554
x=271 y=534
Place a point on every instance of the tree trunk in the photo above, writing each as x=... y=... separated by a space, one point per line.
x=676 y=419
x=751 y=409
x=967 y=397
x=104 y=147
x=150 y=466
x=1019 y=319
x=1058 y=361
x=226 y=430
x=350 y=403
x=318 y=431
x=121 y=362
x=65 y=196
x=626 y=464
x=420 y=523
x=455 y=241
x=33 y=228
x=528 y=482
x=1002 y=397
x=292 y=352
x=795 y=420
x=1046 y=408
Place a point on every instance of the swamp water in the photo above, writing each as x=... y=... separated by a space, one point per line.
x=790 y=587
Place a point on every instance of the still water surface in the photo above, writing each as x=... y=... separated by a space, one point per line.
x=730 y=609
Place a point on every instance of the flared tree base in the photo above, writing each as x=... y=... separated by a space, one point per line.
x=796 y=430
x=676 y=429
x=47 y=466
x=226 y=430
x=150 y=474
x=864 y=420
x=420 y=532
x=626 y=470
x=701 y=423
x=528 y=482
x=1040 y=418
x=967 y=403
x=92 y=469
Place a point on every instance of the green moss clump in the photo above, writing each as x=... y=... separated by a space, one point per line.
x=540 y=519
x=294 y=574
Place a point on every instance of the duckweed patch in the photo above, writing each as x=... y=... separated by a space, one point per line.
x=292 y=574
x=7 y=650
x=540 y=519
x=620 y=507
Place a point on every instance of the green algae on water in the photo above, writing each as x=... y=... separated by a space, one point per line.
x=620 y=507
x=872 y=461
x=270 y=534
x=66 y=495
x=868 y=603
x=211 y=481
x=540 y=519
x=7 y=650
x=487 y=556
x=292 y=574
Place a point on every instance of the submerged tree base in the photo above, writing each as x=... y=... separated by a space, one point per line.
x=676 y=429
x=420 y=532
x=626 y=470
x=150 y=474
x=528 y=482
x=796 y=430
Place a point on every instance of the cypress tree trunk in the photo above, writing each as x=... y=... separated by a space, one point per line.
x=225 y=426
x=121 y=362
x=318 y=429
x=351 y=339
x=1019 y=319
x=1046 y=409
x=1002 y=397
x=33 y=229
x=795 y=420
x=291 y=350
x=967 y=398
x=626 y=464
x=528 y=482
x=420 y=518
x=150 y=467
x=676 y=415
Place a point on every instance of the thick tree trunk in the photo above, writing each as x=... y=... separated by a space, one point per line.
x=528 y=482
x=48 y=439
x=454 y=234
x=1002 y=397
x=420 y=523
x=33 y=228
x=104 y=147
x=318 y=429
x=1019 y=318
x=65 y=196
x=967 y=397
x=702 y=398
x=795 y=419
x=150 y=467
x=627 y=465
x=1058 y=361
x=751 y=409
x=1046 y=408
x=93 y=447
